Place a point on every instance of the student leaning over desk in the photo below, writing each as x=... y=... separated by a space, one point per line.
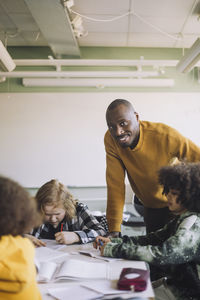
x=65 y=219
x=175 y=249
x=18 y=213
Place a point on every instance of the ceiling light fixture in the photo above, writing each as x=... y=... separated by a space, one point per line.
x=82 y=74
x=96 y=62
x=97 y=82
x=77 y=25
x=189 y=60
x=6 y=62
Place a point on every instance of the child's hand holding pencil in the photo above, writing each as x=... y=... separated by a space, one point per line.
x=66 y=237
x=100 y=243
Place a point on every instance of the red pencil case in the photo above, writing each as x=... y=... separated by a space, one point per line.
x=133 y=279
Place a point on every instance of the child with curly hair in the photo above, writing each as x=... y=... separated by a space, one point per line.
x=18 y=213
x=65 y=219
x=175 y=248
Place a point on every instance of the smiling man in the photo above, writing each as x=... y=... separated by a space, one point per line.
x=139 y=149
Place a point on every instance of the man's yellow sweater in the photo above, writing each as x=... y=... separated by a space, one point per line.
x=158 y=144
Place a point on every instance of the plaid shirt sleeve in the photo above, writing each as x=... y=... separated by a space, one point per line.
x=37 y=231
x=89 y=227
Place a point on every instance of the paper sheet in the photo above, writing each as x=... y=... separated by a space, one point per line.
x=46 y=254
x=73 y=268
x=96 y=254
x=46 y=271
x=109 y=287
x=52 y=244
x=76 y=293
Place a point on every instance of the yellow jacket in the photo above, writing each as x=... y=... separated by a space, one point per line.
x=17 y=269
x=157 y=145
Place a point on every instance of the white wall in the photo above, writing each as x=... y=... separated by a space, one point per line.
x=48 y=135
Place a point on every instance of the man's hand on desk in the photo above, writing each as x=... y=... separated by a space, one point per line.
x=67 y=237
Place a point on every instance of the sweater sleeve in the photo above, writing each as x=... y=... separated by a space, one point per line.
x=115 y=175
x=179 y=248
x=184 y=148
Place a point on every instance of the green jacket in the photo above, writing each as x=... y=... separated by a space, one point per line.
x=175 y=249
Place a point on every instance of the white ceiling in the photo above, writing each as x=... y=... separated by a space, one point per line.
x=179 y=18
x=148 y=23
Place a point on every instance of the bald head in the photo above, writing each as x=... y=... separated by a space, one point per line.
x=118 y=102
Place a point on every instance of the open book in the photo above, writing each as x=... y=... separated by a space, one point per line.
x=71 y=269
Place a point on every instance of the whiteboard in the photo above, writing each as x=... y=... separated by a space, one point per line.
x=60 y=135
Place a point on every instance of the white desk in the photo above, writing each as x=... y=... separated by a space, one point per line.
x=114 y=270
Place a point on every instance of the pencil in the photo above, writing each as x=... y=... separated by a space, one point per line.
x=100 y=243
x=61 y=229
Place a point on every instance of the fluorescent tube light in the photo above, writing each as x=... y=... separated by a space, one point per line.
x=97 y=82
x=95 y=62
x=6 y=62
x=189 y=60
x=81 y=74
